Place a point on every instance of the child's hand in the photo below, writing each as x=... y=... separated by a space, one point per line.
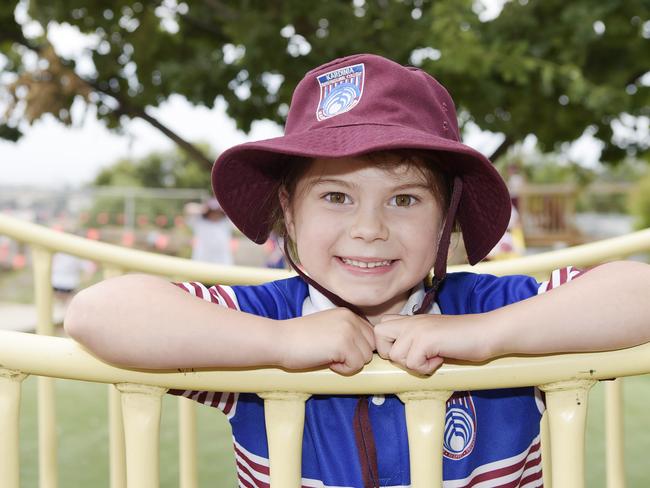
x=421 y=342
x=337 y=338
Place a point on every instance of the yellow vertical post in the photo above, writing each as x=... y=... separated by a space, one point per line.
x=116 y=455
x=187 y=452
x=284 y=413
x=425 y=423
x=546 y=451
x=141 y=406
x=10 y=382
x=47 y=441
x=188 y=470
x=566 y=403
x=614 y=443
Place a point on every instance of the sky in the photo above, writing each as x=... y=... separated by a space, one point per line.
x=50 y=154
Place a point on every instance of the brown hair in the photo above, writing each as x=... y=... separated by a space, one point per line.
x=425 y=161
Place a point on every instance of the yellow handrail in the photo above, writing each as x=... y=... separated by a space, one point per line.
x=64 y=358
x=135 y=260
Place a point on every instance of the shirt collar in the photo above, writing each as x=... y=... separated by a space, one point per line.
x=317 y=302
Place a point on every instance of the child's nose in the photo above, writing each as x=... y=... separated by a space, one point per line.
x=368 y=224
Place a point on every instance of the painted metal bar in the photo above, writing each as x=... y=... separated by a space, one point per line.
x=116 y=450
x=131 y=259
x=187 y=444
x=48 y=471
x=284 y=413
x=614 y=438
x=425 y=423
x=141 y=405
x=547 y=467
x=10 y=383
x=64 y=358
x=566 y=402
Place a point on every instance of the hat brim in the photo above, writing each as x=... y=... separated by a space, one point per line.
x=244 y=183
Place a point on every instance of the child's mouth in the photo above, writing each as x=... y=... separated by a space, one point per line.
x=367 y=264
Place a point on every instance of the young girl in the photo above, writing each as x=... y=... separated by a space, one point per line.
x=366 y=187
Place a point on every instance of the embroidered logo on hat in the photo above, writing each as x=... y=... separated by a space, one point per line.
x=340 y=90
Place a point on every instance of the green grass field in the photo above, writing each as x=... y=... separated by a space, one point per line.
x=83 y=438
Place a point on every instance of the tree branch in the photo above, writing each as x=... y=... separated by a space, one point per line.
x=190 y=148
x=502 y=149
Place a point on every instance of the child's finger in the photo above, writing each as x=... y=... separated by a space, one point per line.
x=424 y=365
x=399 y=352
x=368 y=332
x=352 y=362
x=383 y=345
x=391 y=316
x=365 y=349
x=385 y=334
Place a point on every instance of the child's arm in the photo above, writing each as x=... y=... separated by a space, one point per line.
x=146 y=322
x=606 y=308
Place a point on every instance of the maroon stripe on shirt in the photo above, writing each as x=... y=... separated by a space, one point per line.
x=258 y=483
x=260 y=468
x=202 y=396
x=521 y=482
x=498 y=473
x=226 y=297
x=530 y=478
x=216 y=399
x=197 y=289
x=230 y=401
x=564 y=275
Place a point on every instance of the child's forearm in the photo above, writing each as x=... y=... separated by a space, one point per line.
x=146 y=322
x=606 y=308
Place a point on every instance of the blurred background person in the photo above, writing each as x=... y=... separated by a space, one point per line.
x=212 y=232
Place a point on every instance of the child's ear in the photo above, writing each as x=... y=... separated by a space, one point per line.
x=285 y=204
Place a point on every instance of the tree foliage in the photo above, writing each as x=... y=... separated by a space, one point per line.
x=172 y=169
x=547 y=67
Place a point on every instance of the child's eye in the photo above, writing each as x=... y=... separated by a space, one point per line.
x=403 y=200
x=337 y=197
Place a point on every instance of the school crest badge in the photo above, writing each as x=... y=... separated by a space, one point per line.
x=340 y=90
x=460 y=426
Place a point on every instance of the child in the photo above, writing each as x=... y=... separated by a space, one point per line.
x=367 y=185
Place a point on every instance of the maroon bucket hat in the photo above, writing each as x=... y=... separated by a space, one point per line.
x=356 y=105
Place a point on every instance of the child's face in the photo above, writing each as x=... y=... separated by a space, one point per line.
x=367 y=233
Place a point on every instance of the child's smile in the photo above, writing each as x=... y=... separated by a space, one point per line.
x=366 y=232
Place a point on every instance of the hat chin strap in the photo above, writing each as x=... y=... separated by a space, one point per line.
x=334 y=298
x=440 y=266
x=439 y=269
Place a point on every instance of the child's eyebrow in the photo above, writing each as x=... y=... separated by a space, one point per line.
x=413 y=186
x=324 y=181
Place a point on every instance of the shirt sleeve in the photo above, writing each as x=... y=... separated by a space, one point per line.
x=559 y=277
x=225 y=297
x=491 y=292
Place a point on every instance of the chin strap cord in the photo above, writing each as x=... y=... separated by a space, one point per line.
x=334 y=298
x=440 y=266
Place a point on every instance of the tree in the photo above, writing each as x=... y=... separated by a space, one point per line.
x=172 y=169
x=548 y=67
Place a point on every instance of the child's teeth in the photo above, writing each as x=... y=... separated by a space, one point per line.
x=363 y=264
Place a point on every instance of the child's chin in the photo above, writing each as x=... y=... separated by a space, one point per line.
x=363 y=301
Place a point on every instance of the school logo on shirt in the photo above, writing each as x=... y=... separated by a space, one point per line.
x=340 y=90
x=460 y=426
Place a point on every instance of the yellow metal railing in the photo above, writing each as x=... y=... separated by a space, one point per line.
x=565 y=378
